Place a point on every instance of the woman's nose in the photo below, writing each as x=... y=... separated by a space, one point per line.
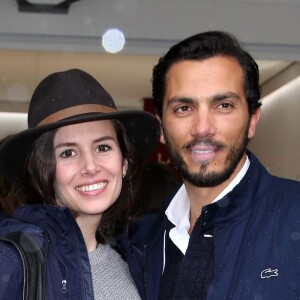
x=90 y=165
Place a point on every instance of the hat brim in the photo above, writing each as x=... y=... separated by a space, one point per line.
x=142 y=129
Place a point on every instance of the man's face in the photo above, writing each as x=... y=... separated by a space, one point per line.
x=206 y=123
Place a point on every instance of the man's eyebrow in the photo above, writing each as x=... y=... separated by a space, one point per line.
x=224 y=96
x=214 y=98
x=186 y=100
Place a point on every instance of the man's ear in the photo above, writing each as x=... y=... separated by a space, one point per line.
x=253 y=122
x=162 y=137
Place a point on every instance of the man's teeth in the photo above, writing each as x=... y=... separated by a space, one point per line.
x=91 y=187
x=202 y=151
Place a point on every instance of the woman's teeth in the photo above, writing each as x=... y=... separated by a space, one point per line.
x=91 y=187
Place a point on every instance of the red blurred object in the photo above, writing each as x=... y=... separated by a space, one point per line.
x=160 y=152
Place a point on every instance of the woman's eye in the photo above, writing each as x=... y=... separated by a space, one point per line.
x=103 y=148
x=67 y=153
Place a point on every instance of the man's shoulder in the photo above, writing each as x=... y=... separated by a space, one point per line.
x=142 y=227
x=287 y=186
x=139 y=231
x=282 y=197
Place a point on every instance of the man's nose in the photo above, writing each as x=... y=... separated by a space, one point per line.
x=203 y=124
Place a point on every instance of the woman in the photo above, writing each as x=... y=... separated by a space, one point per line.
x=4 y=188
x=72 y=175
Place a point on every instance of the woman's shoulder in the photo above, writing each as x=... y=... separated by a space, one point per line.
x=11 y=283
x=9 y=255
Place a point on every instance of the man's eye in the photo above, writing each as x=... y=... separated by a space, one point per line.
x=182 y=109
x=225 y=105
x=67 y=153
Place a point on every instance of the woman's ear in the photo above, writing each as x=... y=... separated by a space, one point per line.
x=125 y=167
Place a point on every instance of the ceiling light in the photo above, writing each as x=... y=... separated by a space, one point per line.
x=113 y=40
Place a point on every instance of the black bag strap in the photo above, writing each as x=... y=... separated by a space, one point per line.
x=33 y=264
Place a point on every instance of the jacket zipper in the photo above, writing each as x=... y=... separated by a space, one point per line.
x=61 y=266
x=64 y=286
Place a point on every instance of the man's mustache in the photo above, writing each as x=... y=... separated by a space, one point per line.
x=204 y=142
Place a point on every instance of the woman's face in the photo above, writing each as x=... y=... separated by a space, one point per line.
x=89 y=167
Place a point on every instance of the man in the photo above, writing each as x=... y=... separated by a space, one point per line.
x=232 y=231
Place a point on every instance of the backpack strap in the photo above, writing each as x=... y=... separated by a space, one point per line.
x=33 y=264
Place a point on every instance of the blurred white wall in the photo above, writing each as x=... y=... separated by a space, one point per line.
x=269 y=30
x=277 y=139
x=11 y=123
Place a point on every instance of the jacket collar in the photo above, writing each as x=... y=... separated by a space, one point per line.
x=240 y=200
x=67 y=242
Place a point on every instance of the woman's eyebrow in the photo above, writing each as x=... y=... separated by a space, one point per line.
x=104 y=138
x=71 y=144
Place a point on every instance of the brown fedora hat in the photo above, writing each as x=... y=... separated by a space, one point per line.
x=70 y=97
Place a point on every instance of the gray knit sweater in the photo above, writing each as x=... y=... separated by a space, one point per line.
x=111 y=276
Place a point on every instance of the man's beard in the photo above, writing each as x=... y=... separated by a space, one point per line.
x=212 y=178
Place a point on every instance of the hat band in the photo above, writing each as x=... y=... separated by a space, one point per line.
x=76 y=110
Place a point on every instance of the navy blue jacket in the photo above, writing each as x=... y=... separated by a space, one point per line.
x=67 y=273
x=257 y=241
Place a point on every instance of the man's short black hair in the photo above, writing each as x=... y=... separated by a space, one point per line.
x=203 y=46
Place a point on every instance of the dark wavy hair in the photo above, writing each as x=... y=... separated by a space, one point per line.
x=37 y=183
x=203 y=46
x=4 y=186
